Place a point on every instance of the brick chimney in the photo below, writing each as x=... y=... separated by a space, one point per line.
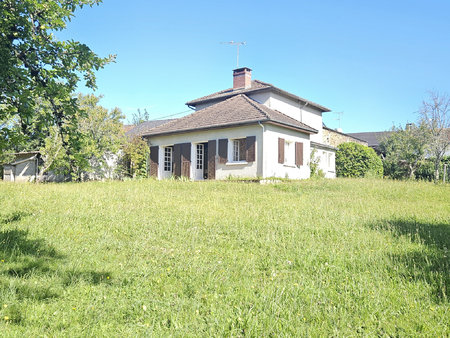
x=242 y=78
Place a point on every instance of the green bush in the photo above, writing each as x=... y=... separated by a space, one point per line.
x=356 y=160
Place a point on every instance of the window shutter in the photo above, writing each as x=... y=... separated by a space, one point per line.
x=250 y=148
x=280 y=150
x=177 y=159
x=223 y=150
x=185 y=159
x=211 y=159
x=154 y=152
x=298 y=154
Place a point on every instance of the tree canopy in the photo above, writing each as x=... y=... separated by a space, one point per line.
x=36 y=67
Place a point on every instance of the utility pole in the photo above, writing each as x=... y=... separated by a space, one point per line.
x=237 y=44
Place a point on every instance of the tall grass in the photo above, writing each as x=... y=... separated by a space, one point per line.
x=320 y=257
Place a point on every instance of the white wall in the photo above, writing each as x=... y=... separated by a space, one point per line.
x=250 y=169
x=327 y=161
x=305 y=114
x=271 y=167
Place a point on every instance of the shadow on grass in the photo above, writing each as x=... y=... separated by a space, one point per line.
x=429 y=263
x=23 y=257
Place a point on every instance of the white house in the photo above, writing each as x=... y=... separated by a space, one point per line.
x=251 y=130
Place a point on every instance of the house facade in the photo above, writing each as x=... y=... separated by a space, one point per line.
x=251 y=130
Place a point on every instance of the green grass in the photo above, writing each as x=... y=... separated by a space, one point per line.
x=319 y=257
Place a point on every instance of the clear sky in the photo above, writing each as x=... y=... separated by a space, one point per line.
x=372 y=60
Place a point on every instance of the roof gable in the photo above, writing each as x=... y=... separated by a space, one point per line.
x=234 y=111
x=257 y=86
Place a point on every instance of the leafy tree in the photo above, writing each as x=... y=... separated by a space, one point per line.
x=435 y=116
x=35 y=65
x=356 y=160
x=140 y=117
x=404 y=150
x=94 y=140
x=134 y=157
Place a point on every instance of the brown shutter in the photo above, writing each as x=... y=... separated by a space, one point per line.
x=250 y=148
x=223 y=150
x=177 y=159
x=298 y=154
x=154 y=159
x=280 y=150
x=185 y=159
x=211 y=159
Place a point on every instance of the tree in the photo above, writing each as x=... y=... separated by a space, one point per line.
x=435 y=116
x=134 y=159
x=404 y=149
x=35 y=65
x=356 y=160
x=93 y=141
x=140 y=117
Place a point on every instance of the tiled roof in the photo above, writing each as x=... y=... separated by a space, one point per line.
x=144 y=127
x=237 y=110
x=373 y=139
x=257 y=86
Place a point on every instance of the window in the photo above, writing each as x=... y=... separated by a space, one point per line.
x=168 y=163
x=239 y=150
x=330 y=156
x=289 y=152
x=200 y=154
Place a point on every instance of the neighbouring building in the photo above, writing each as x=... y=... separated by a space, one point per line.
x=253 y=129
x=24 y=167
x=335 y=137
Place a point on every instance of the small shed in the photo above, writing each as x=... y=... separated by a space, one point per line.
x=24 y=168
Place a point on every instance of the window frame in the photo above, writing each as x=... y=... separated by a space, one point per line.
x=236 y=155
x=168 y=159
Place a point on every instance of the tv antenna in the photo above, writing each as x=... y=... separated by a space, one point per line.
x=237 y=44
x=339 y=117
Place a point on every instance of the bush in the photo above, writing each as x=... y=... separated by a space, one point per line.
x=356 y=160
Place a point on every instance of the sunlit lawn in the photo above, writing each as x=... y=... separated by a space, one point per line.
x=318 y=257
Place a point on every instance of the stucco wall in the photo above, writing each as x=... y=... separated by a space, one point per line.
x=306 y=114
x=326 y=161
x=271 y=167
x=250 y=169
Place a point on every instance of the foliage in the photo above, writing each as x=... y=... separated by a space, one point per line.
x=36 y=66
x=94 y=139
x=356 y=160
x=435 y=115
x=134 y=158
x=426 y=168
x=318 y=258
x=404 y=149
x=314 y=161
x=140 y=117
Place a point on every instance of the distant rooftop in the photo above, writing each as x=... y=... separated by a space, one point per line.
x=144 y=127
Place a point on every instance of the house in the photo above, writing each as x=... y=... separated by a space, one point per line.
x=253 y=129
x=140 y=129
x=24 y=168
x=335 y=137
x=373 y=139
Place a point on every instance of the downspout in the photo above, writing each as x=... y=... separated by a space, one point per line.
x=262 y=148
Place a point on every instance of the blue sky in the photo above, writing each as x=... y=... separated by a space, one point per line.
x=372 y=60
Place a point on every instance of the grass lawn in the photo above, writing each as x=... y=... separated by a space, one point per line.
x=318 y=257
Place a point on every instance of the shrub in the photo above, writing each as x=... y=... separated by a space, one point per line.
x=356 y=160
